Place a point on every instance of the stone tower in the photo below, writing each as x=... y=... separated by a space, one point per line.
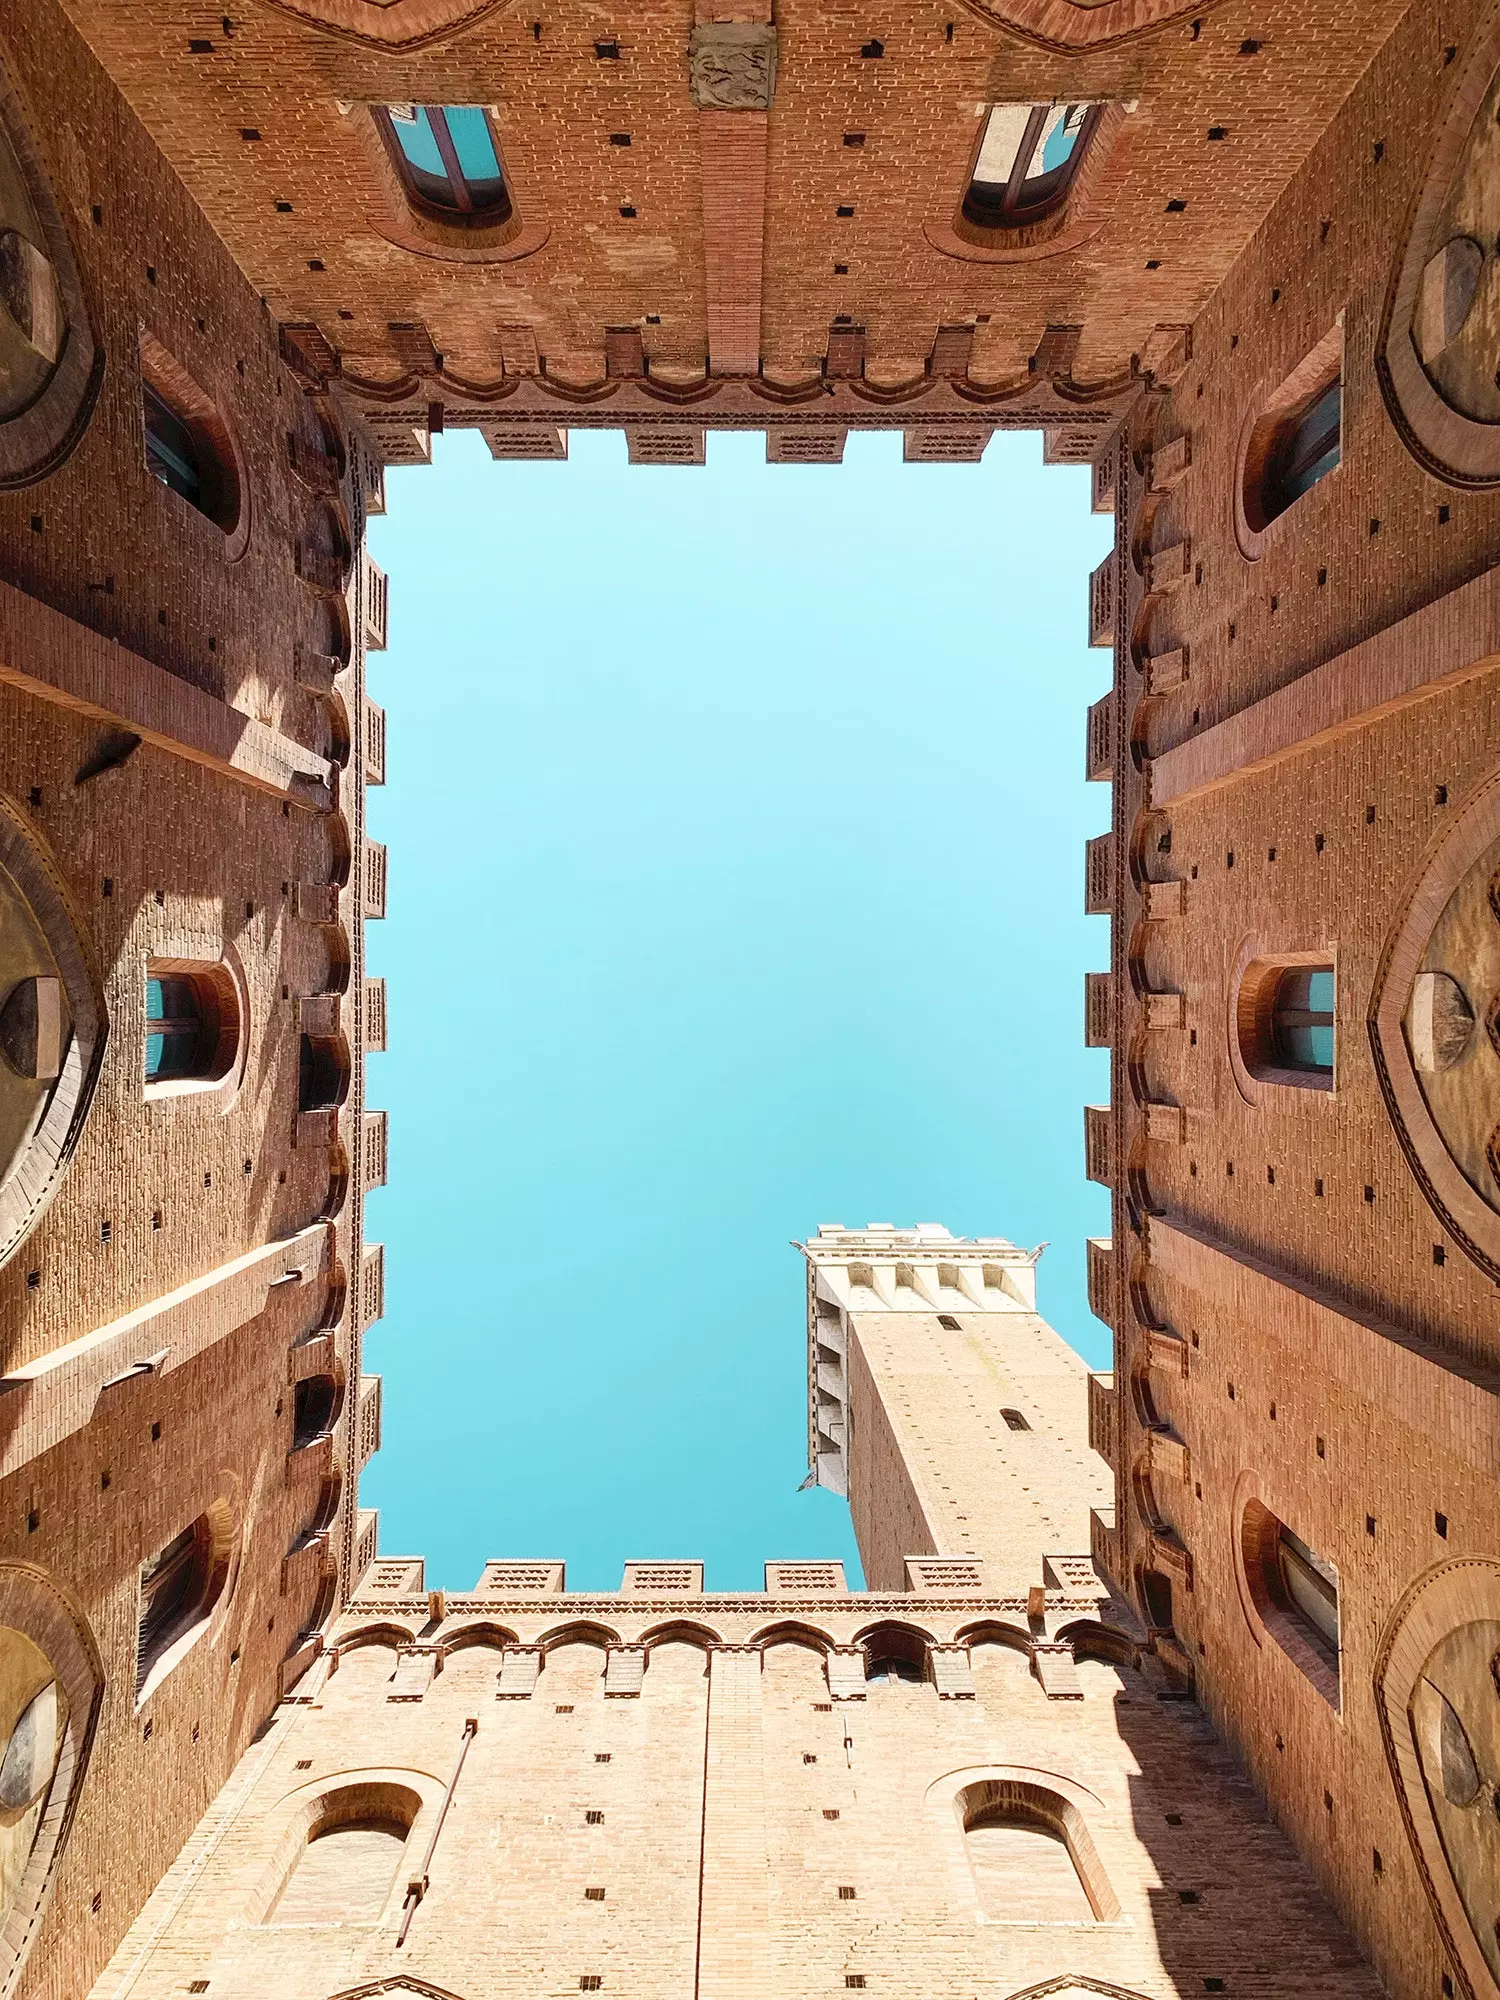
x=945 y=1407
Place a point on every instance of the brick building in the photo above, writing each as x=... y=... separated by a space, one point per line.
x=1240 y=257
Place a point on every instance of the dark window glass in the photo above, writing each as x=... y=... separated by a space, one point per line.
x=884 y=1670
x=1312 y=1586
x=1306 y=448
x=1302 y=1019
x=323 y=1074
x=312 y=1413
x=447 y=157
x=179 y=1040
x=171 y=1585
x=1027 y=159
x=172 y=449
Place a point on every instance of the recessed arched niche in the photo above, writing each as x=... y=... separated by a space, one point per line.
x=1435 y=1025
x=1441 y=332
x=50 y=1683
x=52 y=1027
x=1435 y=1692
x=49 y=368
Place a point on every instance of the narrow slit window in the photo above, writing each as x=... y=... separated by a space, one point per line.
x=448 y=159
x=1312 y=1589
x=1027 y=159
x=173 y=451
x=1306 y=449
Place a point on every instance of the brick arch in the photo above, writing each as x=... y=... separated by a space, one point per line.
x=1075 y=26
x=1470 y=1217
x=485 y=1633
x=35 y=1605
x=1091 y=1639
x=371 y=1635
x=37 y=440
x=47 y=895
x=395 y=1986
x=578 y=1632
x=1461 y=1592
x=792 y=1632
x=994 y=1632
x=682 y=1632
x=1461 y=449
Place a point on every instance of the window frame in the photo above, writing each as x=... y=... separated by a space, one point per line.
x=1257 y=1014
x=221 y=1038
x=1010 y=211
x=463 y=212
x=1273 y=1605
x=206 y=1560
x=1274 y=414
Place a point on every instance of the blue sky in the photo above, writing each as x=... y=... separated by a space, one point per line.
x=736 y=821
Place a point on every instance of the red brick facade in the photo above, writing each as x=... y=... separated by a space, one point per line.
x=755 y=218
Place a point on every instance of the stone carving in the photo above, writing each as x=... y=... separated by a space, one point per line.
x=732 y=66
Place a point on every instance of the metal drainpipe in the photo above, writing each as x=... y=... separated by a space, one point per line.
x=416 y=1888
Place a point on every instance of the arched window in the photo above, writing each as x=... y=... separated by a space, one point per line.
x=892 y=1653
x=314 y=1407
x=1295 y=1591
x=1027 y=158
x=1292 y=441
x=1032 y=1857
x=1311 y=1589
x=448 y=160
x=1286 y=1022
x=188 y=445
x=180 y=1586
x=345 y=1870
x=192 y=1023
x=1304 y=448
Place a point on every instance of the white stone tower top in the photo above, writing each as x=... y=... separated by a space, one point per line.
x=882 y=1269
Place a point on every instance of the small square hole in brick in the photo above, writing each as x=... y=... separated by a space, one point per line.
x=1369 y=1524
x=1322 y=1448
x=1439 y=1254
x=1213 y=1986
x=1173 y=1819
x=97 y=1903
x=1187 y=1895
x=1328 y=1802
x=854 y=138
x=1440 y=1522
x=1375 y=1861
